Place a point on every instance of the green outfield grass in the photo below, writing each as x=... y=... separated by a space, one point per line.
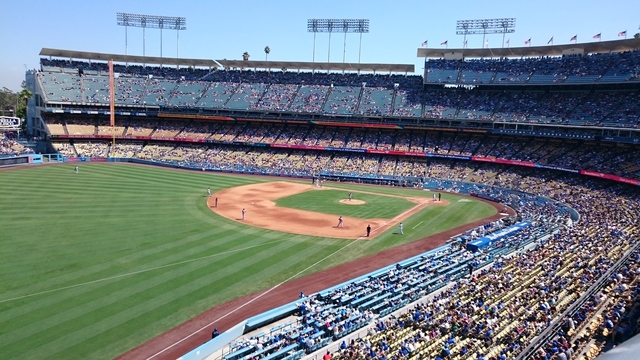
x=98 y=262
x=328 y=202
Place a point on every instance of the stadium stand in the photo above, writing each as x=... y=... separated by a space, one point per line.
x=10 y=146
x=382 y=95
x=576 y=155
x=567 y=69
x=547 y=150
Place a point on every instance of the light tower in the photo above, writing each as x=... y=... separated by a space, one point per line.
x=154 y=22
x=486 y=26
x=345 y=26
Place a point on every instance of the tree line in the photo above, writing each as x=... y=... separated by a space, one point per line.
x=14 y=103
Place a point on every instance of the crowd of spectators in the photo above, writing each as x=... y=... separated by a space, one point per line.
x=9 y=145
x=64 y=148
x=602 y=157
x=92 y=149
x=494 y=313
x=561 y=69
x=342 y=100
x=373 y=95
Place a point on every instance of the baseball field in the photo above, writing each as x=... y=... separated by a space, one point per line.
x=95 y=263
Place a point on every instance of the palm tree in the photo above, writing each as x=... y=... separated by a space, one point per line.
x=246 y=56
x=23 y=97
x=267 y=50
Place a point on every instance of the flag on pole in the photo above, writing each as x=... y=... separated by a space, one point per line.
x=574 y=38
x=424 y=43
x=486 y=43
x=507 y=42
x=597 y=36
x=464 y=43
x=527 y=42
x=550 y=41
x=622 y=33
x=444 y=42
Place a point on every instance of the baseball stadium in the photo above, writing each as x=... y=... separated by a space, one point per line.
x=176 y=208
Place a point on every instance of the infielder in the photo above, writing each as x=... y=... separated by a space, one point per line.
x=340 y=222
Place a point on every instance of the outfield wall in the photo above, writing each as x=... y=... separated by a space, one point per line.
x=13 y=160
x=348 y=176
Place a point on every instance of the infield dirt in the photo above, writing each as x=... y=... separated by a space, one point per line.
x=261 y=211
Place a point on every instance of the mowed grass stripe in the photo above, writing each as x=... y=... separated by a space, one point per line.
x=112 y=175
x=153 y=289
x=77 y=311
x=224 y=246
x=74 y=299
x=300 y=262
x=153 y=221
x=328 y=202
x=42 y=326
x=387 y=190
x=146 y=216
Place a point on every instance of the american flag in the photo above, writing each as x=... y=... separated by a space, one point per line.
x=622 y=33
x=424 y=43
x=508 y=41
x=527 y=42
x=597 y=36
x=444 y=42
x=574 y=38
x=550 y=41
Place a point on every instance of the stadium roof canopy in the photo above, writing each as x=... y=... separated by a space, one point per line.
x=86 y=55
x=535 y=51
x=297 y=65
x=229 y=64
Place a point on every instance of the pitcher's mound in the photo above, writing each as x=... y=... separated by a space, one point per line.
x=351 y=202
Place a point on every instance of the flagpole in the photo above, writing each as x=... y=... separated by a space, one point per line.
x=426 y=43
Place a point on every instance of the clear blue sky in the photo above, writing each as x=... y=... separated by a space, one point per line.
x=226 y=29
